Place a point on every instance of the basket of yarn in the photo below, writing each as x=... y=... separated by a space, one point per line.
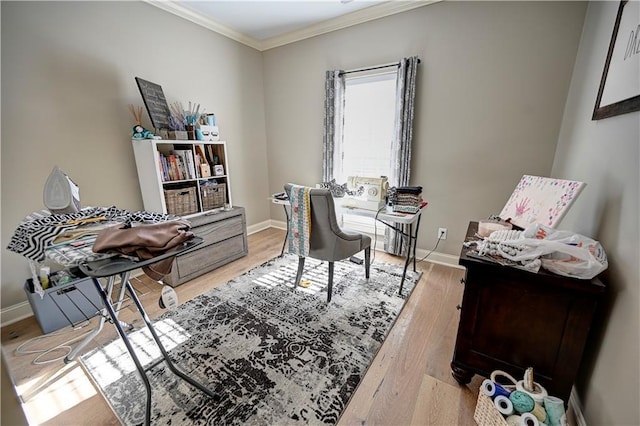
x=509 y=402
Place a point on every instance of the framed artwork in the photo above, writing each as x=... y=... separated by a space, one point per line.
x=156 y=103
x=619 y=91
x=540 y=200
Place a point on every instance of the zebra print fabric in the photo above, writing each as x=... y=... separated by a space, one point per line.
x=38 y=230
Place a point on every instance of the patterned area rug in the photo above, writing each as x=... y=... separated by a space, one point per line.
x=274 y=355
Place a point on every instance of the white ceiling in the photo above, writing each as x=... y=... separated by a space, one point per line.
x=264 y=24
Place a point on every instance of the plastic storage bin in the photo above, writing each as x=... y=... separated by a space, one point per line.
x=64 y=305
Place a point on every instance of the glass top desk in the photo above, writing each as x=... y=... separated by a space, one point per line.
x=406 y=224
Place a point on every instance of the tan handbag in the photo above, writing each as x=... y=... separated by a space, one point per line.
x=145 y=242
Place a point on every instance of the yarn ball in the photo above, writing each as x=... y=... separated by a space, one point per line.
x=522 y=402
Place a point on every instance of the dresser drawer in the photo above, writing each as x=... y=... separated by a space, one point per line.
x=221 y=230
x=209 y=258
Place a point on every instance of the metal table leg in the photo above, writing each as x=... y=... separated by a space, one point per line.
x=286 y=236
x=415 y=242
x=409 y=239
x=123 y=335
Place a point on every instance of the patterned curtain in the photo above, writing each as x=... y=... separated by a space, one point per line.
x=333 y=119
x=401 y=144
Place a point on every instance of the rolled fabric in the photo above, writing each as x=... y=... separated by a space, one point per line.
x=492 y=389
x=528 y=419
x=514 y=420
x=538 y=393
x=539 y=412
x=504 y=405
x=554 y=407
x=487 y=387
x=522 y=402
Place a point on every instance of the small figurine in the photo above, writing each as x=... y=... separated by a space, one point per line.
x=140 y=132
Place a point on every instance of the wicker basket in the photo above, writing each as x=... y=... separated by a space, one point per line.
x=181 y=201
x=213 y=196
x=486 y=413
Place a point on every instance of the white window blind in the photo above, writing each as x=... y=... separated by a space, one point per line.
x=369 y=115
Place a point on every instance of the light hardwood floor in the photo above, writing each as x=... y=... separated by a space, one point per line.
x=408 y=383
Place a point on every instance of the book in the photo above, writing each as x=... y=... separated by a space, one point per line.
x=187 y=163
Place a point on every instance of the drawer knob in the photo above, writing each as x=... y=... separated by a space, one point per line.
x=458 y=307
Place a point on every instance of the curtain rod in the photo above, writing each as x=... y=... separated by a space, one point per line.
x=395 y=64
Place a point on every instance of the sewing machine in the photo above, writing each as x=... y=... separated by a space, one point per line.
x=370 y=193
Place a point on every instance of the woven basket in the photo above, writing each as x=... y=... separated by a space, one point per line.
x=182 y=201
x=213 y=196
x=486 y=413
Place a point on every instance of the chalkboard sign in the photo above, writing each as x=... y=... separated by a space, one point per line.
x=156 y=104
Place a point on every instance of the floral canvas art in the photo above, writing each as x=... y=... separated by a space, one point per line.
x=539 y=199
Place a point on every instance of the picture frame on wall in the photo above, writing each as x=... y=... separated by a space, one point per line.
x=619 y=91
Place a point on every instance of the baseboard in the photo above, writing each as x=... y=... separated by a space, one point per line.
x=440 y=258
x=576 y=406
x=15 y=313
x=252 y=229
x=278 y=224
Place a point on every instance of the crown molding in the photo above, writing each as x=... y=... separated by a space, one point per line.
x=357 y=17
x=211 y=24
x=344 y=21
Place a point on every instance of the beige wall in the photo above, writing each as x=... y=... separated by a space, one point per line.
x=491 y=90
x=492 y=87
x=68 y=73
x=605 y=154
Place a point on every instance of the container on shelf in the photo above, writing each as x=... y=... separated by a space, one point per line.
x=213 y=196
x=181 y=201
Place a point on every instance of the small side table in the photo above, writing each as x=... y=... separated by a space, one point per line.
x=284 y=203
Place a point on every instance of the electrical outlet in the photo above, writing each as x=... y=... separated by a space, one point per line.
x=442 y=233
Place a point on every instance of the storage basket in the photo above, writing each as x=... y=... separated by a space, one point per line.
x=213 y=196
x=181 y=201
x=486 y=413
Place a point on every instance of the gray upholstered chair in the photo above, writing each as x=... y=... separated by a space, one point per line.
x=327 y=241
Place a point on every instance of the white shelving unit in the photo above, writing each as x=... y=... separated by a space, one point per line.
x=154 y=181
x=224 y=232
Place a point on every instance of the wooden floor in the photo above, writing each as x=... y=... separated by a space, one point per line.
x=408 y=383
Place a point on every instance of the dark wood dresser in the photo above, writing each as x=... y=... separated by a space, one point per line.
x=511 y=319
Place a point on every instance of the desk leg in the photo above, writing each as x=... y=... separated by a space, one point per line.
x=286 y=236
x=406 y=263
x=415 y=243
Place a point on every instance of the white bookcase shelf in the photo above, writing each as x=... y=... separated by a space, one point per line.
x=170 y=167
x=224 y=231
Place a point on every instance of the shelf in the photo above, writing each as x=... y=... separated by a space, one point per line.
x=159 y=162
x=195 y=198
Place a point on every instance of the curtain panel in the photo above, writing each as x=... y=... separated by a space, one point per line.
x=403 y=135
x=333 y=120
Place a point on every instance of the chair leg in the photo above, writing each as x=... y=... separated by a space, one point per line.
x=330 y=285
x=300 y=269
x=367 y=261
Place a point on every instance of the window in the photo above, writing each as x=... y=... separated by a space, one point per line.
x=369 y=114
